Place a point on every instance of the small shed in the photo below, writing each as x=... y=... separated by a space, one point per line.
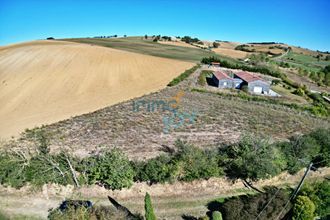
x=215 y=64
x=222 y=80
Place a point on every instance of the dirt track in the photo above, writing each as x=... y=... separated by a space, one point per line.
x=43 y=82
x=171 y=201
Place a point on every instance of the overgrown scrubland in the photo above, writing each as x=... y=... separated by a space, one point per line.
x=249 y=159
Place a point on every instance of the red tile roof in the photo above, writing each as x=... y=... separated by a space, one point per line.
x=248 y=77
x=221 y=75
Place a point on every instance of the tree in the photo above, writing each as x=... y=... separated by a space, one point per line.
x=322 y=137
x=303 y=209
x=149 y=210
x=157 y=170
x=145 y=36
x=299 y=151
x=216 y=215
x=248 y=206
x=254 y=159
x=195 y=163
x=216 y=44
x=318 y=192
x=112 y=169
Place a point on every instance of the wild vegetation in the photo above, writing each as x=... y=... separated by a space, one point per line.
x=202 y=77
x=183 y=76
x=249 y=159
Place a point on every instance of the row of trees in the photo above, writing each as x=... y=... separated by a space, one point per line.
x=189 y=40
x=249 y=159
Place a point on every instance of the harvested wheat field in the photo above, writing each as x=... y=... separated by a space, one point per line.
x=43 y=82
x=177 y=43
x=231 y=52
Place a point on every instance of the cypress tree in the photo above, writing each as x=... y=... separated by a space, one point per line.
x=149 y=210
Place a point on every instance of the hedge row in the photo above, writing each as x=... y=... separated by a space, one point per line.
x=250 y=159
x=183 y=76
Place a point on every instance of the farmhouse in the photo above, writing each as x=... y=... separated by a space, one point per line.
x=254 y=83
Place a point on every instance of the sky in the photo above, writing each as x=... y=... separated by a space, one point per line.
x=302 y=23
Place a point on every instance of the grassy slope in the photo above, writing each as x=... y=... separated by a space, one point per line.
x=140 y=134
x=138 y=45
x=305 y=61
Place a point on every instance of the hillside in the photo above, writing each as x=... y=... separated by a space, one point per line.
x=142 y=135
x=178 y=51
x=47 y=81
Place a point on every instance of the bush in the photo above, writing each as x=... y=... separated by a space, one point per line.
x=216 y=44
x=299 y=152
x=48 y=168
x=216 y=215
x=303 y=209
x=12 y=170
x=195 y=163
x=149 y=210
x=112 y=169
x=253 y=159
x=183 y=76
x=322 y=137
x=189 y=40
x=157 y=170
x=202 y=77
x=248 y=206
x=299 y=92
x=318 y=193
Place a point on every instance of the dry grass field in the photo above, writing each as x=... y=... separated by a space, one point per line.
x=177 y=43
x=227 y=48
x=46 y=81
x=231 y=52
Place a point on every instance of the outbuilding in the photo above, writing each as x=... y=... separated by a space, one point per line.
x=222 y=80
x=254 y=83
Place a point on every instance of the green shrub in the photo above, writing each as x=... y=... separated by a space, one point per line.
x=248 y=206
x=183 y=76
x=216 y=215
x=149 y=210
x=80 y=213
x=12 y=170
x=318 y=192
x=303 y=209
x=195 y=163
x=299 y=92
x=253 y=159
x=112 y=169
x=299 y=152
x=202 y=77
x=157 y=170
x=322 y=137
